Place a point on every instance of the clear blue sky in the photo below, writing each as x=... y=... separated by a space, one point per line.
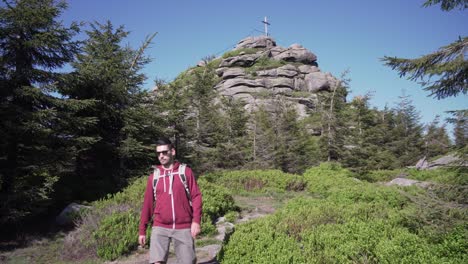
x=343 y=34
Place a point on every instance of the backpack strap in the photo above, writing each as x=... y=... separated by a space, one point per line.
x=183 y=179
x=156 y=175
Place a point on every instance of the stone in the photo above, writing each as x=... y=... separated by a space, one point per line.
x=256 y=42
x=230 y=73
x=296 y=54
x=316 y=81
x=242 y=60
x=68 y=215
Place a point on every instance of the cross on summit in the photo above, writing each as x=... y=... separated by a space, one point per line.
x=266 y=26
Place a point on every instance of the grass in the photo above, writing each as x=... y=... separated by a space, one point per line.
x=44 y=250
x=234 y=53
x=207 y=241
x=332 y=201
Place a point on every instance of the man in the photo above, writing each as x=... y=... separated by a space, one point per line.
x=177 y=211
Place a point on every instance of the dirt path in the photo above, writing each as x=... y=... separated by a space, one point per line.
x=251 y=208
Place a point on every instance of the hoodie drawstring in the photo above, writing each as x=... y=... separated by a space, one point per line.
x=171 y=179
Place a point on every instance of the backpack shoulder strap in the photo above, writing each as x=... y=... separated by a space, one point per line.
x=156 y=174
x=183 y=179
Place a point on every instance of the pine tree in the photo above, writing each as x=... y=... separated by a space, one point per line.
x=359 y=148
x=436 y=139
x=447 y=65
x=407 y=144
x=233 y=150
x=193 y=116
x=262 y=136
x=333 y=119
x=109 y=74
x=380 y=137
x=460 y=130
x=36 y=136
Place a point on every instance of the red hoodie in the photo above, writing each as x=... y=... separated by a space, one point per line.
x=172 y=210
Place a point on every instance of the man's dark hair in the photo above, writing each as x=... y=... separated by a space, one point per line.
x=164 y=141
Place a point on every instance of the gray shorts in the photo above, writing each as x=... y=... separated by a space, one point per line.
x=184 y=246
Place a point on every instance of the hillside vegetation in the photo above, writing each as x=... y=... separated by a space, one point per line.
x=333 y=217
x=340 y=219
x=78 y=126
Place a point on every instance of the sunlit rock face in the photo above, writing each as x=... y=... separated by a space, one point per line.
x=261 y=72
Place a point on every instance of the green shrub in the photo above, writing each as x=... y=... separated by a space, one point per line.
x=265 y=63
x=256 y=181
x=450 y=192
x=405 y=247
x=116 y=235
x=231 y=216
x=327 y=237
x=455 y=245
x=380 y=175
x=207 y=227
x=258 y=242
x=448 y=176
x=216 y=200
x=328 y=177
x=366 y=192
x=349 y=221
x=111 y=226
x=234 y=53
x=131 y=195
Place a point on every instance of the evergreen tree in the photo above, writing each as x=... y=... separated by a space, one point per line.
x=460 y=130
x=36 y=136
x=262 y=136
x=333 y=119
x=448 y=5
x=359 y=148
x=407 y=145
x=436 y=139
x=109 y=74
x=448 y=64
x=233 y=150
x=292 y=144
x=194 y=116
x=173 y=104
x=380 y=137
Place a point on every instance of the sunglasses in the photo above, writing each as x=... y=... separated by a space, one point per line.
x=164 y=152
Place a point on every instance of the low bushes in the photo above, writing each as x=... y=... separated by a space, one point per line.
x=457 y=176
x=116 y=235
x=345 y=220
x=110 y=229
x=257 y=181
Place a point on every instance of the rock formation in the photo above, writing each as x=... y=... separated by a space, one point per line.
x=261 y=72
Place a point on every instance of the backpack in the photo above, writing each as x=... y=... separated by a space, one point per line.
x=182 y=177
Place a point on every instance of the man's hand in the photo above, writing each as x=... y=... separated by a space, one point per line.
x=142 y=240
x=195 y=229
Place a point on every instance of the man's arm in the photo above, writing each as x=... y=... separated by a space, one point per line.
x=196 y=202
x=146 y=211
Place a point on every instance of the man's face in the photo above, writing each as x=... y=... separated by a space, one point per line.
x=165 y=154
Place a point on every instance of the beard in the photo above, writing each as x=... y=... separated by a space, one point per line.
x=166 y=160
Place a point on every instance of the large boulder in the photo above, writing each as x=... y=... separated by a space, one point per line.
x=296 y=53
x=256 y=42
x=69 y=214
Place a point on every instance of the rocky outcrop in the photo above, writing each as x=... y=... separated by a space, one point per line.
x=407 y=182
x=446 y=161
x=262 y=72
